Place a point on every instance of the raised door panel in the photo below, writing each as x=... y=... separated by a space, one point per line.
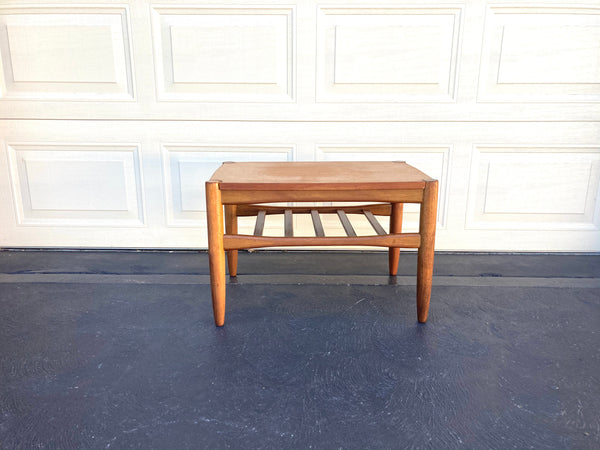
x=545 y=53
x=76 y=185
x=541 y=188
x=392 y=54
x=225 y=54
x=65 y=53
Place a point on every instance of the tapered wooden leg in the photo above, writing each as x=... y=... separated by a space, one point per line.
x=426 y=249
x=231 y=227
x=395 y=227
x=216 y=253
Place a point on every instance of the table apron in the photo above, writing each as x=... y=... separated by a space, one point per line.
x=369 y=195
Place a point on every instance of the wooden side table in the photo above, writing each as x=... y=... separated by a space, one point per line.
x=384 y=186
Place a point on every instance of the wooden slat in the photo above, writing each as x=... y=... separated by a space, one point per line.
x=260 y=223
x=346 y=223
x=238 y=242
x=289 y=223
x=374 y=222
x=316 y=219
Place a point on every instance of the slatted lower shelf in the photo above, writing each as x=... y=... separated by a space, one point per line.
x=381 y=239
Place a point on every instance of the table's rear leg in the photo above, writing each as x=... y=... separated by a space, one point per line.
x=231 y=227
x=395 y=227
x=216 y=252
x=426 y=249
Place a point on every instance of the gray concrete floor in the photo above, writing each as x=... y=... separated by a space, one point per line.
x=320 y=350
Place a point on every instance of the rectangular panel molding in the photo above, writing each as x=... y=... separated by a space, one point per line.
x=545 y=53
x=76 y=185
x=224 y=54
x=387 y=54
x=553 y=188
x=65 y=53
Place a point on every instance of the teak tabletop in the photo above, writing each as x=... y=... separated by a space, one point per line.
x=323 y=175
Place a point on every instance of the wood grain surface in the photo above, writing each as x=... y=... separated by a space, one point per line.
x=321 y=175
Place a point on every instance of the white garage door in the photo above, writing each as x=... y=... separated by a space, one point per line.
x=113 y=115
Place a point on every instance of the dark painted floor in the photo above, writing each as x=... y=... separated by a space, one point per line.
x=127 y=363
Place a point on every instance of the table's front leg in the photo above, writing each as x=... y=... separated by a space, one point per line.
x=428 y=218
x=216 y=252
